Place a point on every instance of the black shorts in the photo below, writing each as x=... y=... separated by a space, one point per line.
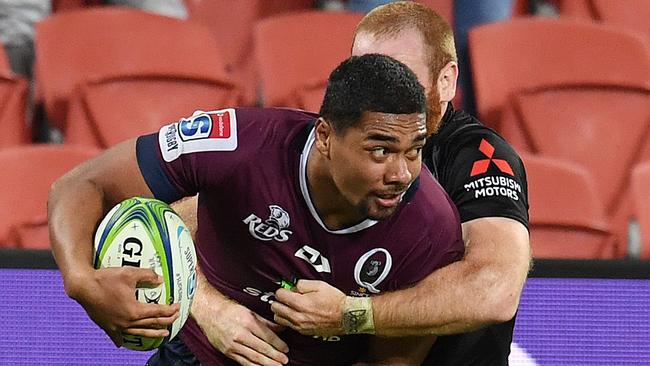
x=174 y=353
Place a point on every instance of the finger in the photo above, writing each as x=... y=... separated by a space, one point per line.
x=252 y=354
x=265 y=350
x=284 y=310
x=155 y=323
x=287 y=298
x=241 y=360
x=284 y=322
x=305 y=286
x=144 y=332
x=146 y=277
x=145 y=311
x=269 y=338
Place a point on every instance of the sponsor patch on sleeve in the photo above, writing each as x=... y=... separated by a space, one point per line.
x=203 y=131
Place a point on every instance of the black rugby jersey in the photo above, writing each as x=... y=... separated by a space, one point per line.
x=484 y=177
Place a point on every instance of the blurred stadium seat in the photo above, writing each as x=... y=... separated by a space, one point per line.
x=234 y=33
x=28 y=172
x=107 y=111
x=630 y=14
x=641 y=202
x=530 y=52
x=296 y=53
x=604 y=128
x=101 y=42
x=567 y=219
x=13 y=105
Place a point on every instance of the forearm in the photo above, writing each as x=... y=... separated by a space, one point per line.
x=74 y=208
x=207 y=300
x=455 y=299
x=482 y=289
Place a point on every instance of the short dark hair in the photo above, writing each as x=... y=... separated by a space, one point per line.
x=370 y=83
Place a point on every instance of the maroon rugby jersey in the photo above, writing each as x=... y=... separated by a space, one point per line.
x=257 y=223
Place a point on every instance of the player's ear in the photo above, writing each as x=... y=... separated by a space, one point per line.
x=446 y=81
x=324 y=134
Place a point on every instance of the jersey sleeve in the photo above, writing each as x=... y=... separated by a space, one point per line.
x=487 y=178
x=191 y=154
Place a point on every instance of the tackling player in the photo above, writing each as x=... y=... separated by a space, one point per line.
x=486 y=180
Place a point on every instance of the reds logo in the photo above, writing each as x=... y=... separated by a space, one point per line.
x=273 y=228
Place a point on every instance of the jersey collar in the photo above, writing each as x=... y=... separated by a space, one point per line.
x=305 y=192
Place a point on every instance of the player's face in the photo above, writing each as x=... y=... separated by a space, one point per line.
x=373 y=163
x=408 y=47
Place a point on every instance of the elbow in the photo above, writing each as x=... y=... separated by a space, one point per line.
x=505 y=310
x=502 y=306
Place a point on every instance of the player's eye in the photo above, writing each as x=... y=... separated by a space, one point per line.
x=379 y=152
x=414 y=153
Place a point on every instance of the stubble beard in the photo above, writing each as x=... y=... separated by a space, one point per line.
x=434 y=111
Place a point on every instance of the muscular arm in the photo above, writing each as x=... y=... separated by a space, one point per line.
x=482 y=289
x=76 y=203
x=80 y=198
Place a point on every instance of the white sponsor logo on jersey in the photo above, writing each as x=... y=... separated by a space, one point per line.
x=371 y=269
x=273 y=228
x=491 y=186
x=203 y=131
x=313 y=257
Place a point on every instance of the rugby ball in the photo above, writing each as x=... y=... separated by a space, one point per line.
x=147 y=233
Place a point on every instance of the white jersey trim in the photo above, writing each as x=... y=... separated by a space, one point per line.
x=305 y=192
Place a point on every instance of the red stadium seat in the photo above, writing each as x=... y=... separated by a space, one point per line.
x=13 y=104
x=85 y=45
x=28 y=172
x=641 y=203
x=603 y=128
x=105 y=112
x=234 y=33
x=629 y=14
x=296 y=53
x=567 y=219
x=532 y=52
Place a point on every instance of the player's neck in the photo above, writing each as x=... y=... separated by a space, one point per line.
x=332 y=208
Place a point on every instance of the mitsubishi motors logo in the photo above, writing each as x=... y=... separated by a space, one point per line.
x=481 y=166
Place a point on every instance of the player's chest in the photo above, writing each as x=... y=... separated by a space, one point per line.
x=282 y=239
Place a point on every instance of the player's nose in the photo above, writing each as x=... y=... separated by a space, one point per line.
x=398 y=172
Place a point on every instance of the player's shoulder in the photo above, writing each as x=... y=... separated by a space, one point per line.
x=474 y=146
x=230 y=129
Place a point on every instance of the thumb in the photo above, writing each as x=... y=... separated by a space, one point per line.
x=305 y=286
x=146 y=278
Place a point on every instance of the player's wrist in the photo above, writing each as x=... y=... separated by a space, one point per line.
x=358 y=316
x=76 y=281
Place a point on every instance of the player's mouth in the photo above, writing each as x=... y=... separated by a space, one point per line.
x=388 y=199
